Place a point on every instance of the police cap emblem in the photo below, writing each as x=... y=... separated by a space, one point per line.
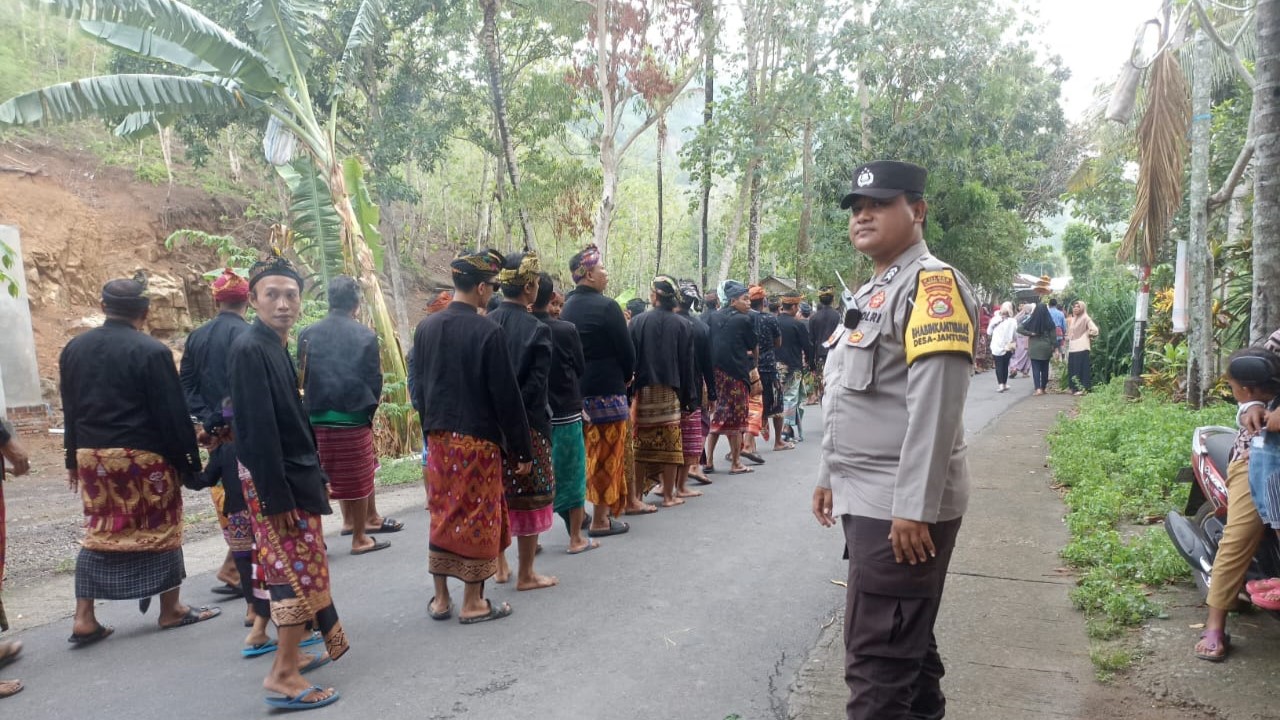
x=865 y=178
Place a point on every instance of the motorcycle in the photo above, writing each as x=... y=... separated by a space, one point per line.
x=1197 y=530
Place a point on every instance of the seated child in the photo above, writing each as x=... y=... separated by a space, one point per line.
x=1257 y=389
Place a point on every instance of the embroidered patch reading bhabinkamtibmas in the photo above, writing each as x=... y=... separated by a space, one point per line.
x=939 y=322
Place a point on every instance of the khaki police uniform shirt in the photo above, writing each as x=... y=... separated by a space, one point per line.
x=893 y=437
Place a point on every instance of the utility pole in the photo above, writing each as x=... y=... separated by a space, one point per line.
x=1199 y=259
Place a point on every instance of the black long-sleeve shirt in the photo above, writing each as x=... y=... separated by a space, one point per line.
x=567 y=364
x=606 y=345
x=664 y=353
x=704 y=371
x=529 y=347
x=796 y=351
x=768 y=339
x=733 y=343
x=341 y=367
x=120 y=389
x=274 y=440
x=204 y=366
x=825 y=320
x=466 y=383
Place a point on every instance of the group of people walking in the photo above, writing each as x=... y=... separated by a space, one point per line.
x=1026 y=341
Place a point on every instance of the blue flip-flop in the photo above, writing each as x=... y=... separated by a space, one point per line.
x=296 y=702
x=317 y=661
x=315 y=638
x=253 y=651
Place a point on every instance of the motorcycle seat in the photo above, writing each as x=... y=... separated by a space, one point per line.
x=1219 y=449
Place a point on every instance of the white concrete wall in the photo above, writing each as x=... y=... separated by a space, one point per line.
x=19 y=373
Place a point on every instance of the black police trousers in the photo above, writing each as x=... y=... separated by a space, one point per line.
x=892 y=665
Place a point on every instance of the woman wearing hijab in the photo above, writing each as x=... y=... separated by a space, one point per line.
x=1004 y=333
x=1080 y=332
x=1042 y=335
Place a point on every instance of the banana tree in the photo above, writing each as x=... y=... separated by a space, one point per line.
x=216 y=73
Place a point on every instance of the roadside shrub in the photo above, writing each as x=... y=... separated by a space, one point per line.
x=1117 y=459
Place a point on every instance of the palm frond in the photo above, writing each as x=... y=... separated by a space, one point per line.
x=156 y=28
x=1162 y=151
x=108 y=95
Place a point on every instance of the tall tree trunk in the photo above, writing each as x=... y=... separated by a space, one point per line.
x=662 y=150
x=393 y=223
x=489 y=39
x=708 y=106
x=735 y=227
x=482 y=208
x=753 y=229
x=1199 y=261
x=804 y=245
x=608 y=132
x=1266 y=184
x=755 y=86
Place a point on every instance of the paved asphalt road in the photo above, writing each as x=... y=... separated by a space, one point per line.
x=702 y=611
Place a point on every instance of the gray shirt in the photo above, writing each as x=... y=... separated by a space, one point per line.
x=893 y=437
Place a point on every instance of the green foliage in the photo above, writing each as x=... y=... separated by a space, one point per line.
x=7 y=263
x=315 y=220
x=1110 y=296
x=400 y=471
x=367 y=213
x=1077 y=246
x=1118 y=459
x=1042 y=260
x=230 y=251
x=1110 y=660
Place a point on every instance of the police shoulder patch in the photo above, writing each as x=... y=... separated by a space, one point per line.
x=939 y=321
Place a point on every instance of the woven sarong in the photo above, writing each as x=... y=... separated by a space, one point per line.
x=691 y=437
x=658 y=426
x=347 y=457
x=295 y=567
x=127 y=575
x=730 y=414
x=467 y=505
x=755 y=415
x=569 y=462
x=238 y=532
x=606 y=455
x=132 y=501
x=792 y=399
x=529 y=497
x=771 y=394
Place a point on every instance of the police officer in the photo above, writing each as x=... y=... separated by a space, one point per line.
x=893 y=455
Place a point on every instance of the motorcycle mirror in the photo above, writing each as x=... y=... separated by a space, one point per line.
x=1252 y=370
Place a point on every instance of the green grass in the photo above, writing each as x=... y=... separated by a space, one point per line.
x=1110 y=660
x=1117 y=460
x=400 y=471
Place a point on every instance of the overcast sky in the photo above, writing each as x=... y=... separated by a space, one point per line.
x=1093 y=38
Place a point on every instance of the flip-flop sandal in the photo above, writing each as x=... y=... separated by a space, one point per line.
x=1218 y=639
x=444 y=615
x=314 y=639
x=708 y=470
x=9 y=688
x=297 y=703
x=317 y=661
x=375 y=547
x=588 y=548
x=785 y=446
x=741 y=471
x=753 y=457
x=495 y=613
x=102 y=632
x=253 y=651
x=389 y=525
x=701 y=480
x=616 y=527
x=226 y=589
x=9 y=651
x=193 y=616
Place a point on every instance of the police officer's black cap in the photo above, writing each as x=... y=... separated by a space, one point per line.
x=884 y=180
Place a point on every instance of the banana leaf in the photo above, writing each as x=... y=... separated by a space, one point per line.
x=119 y=94
x=282 y=29
x=369 y=26
x=315 y=222
x=367 y=213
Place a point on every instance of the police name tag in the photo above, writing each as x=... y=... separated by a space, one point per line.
x=939 y=322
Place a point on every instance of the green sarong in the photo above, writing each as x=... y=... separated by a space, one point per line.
x=569 y=463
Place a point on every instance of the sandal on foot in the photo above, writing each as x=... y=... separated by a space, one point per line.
x=442 y=615
x=193 y=616
x=587 y=548
x=1214 y=640
x=253 y=651
x=297 y=703
x=375 y=547
x=495 y=613
x=753 y=457
x=741 y=471
x=616 y=527
x=700 y=479
x=315 y=638
x=102 y=632
x=317 y=661
x=226 y=589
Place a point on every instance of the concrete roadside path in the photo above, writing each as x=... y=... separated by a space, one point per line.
x=1014 y=647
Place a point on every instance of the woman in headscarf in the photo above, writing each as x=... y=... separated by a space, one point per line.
x=1021 y=361
x=1080 y=332
x=1003 y=331
x=1042 y=335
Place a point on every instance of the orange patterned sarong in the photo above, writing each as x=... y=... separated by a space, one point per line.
x=132 y=501
x=607 y=445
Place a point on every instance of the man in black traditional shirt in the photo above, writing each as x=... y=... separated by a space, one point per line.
x=663 y=386
x=568 y=447
x=733 y=348
x=129 y=446
x=472 y=415
x=793 y=357
x=284 y=485
x=694 y=424
x=825 y=320
x=529 y=495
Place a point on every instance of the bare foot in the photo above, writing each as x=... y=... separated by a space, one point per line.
x=688 y=493
x=581 y=545
x=537 y=582
x=503 y=576
x=784 y=446
x=672 y=502
x=638 y=508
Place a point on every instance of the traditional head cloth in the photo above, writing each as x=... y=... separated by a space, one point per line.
x=526 y=273
x=479 y=266
x=127 y=298
x=230 y=287
x=826 y=293
x=441 y=302
x=275 y=264
x=805 y=308
x=1042 y=286
x=791 y=298
x=755 y=292
x=732 y=290
x=690 y=295
x=589 y=259
x=664 y=286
